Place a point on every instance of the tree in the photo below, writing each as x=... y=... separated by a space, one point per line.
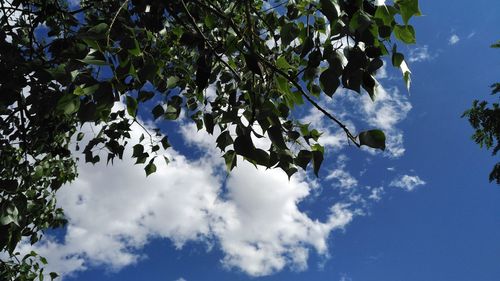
x=64 y=66
x=486 y=122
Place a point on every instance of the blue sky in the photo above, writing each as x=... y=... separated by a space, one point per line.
x=424 y=210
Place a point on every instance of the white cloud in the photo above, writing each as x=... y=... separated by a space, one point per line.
x=341 y=177
x=114 y=211
x=389 y=108
x=376 y=193
x=406 y=182
x=181 y=279
x=453 y=39
x=420 y=54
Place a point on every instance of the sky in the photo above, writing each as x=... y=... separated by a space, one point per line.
x=421 y=210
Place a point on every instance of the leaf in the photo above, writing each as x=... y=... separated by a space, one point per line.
x=317 y=159
x=397 y=59
x=406 y=74
x=282 y=63
x=288 y=33
x=138 y=150
x=131 y=106
x=224 y=140
x=230 y=159
x=172 y=81
x=386 y=14
x=150 y=168
x=157 y=111
x=369 y=84
x=408 y=8
x=261 y=157
x=208 y=119
x=203 y=71
x=252 y=62
x=276 y=136
x=80 y=136
x=164 y=142
x=405 y=33
x=68 y=104
x=90 y=61
x=307 y=46
x=303 y=159
x=373 y=139
x=243 y=146
x=53 y=275
x=329 y=81
x=330 y=8
x=8 y=185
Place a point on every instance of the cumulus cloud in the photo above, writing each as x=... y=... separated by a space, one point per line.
x=252 y=214
x=454 y=39
x=407 y=182
x=114 y=211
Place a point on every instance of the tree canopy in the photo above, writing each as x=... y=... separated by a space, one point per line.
x=64 y=65
x=485 y=119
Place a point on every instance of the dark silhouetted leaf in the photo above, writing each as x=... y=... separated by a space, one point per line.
x=373 y=139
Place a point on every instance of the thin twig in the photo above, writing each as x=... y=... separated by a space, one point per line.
x=114 y=19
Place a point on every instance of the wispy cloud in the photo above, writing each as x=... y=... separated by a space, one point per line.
x=420 y=54
x=407 y=182
x=454 y=39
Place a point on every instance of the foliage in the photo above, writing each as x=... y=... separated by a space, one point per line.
x=486 y=122
x=64 y=66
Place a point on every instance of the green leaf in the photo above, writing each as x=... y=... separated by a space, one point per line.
x=172 y=81
x=397 y=59
x=303 y=159
x=131 y=106
x=386 y=14
x=317 y=159
x=230 y=159
x=405 y=33
x=276 y=136
x=164 y=142
x=53 y=275
x=150 y=168
x=171 y=113
x=68 y=104
x=80 y=136
x=330 y=8
x=157 y=111
x=373 y=139
x=252 y=62
x=283 y=64
x=288 y=33
x=329 y=81
x=223 y=140
x=208 y=119
x=138 y=150
x=90 y=61
x=370 y=85
x=243 y=146
x=408 y=8
x=261 y=157
x=210 y=21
